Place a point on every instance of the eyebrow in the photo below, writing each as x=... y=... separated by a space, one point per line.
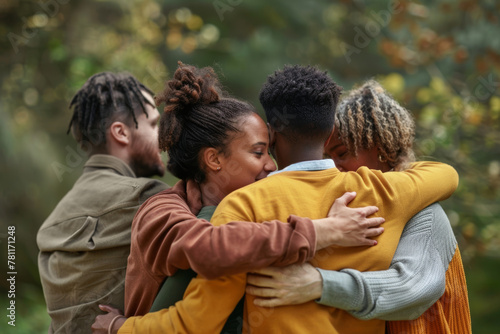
x=336 y=146
x=259 y=143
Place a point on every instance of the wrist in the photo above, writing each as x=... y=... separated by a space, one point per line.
x=326 y=234
x=316 y=287
x=116 y=324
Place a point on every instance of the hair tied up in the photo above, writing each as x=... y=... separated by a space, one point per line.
x=184 y=96
x=189 y=87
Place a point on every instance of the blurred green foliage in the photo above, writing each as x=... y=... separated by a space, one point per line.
x=441 y=59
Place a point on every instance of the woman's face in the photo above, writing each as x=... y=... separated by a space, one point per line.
x=346 y=162
x=248 y=159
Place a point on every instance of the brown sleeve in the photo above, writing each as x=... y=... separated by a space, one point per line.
x=171 y=238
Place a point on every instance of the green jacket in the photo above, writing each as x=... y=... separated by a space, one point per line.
x=85 y=242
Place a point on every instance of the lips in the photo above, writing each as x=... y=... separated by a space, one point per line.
x=261 y=177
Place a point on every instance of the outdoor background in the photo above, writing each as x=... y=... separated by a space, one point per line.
x=440 y=59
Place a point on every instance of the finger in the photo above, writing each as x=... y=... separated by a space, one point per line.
x=268 y=271
x=96 y=322
x=369 y=242
x=260 y=292
x=107 y=308
x=374 y=232
x=373 y=222
x=342 y=201
x=369 y=210
x=270 y=302
x=260 y=281
x=346 y=198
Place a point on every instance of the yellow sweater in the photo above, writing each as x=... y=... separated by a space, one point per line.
x=399 y=196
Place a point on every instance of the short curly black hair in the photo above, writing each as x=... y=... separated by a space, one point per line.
x=300 y=102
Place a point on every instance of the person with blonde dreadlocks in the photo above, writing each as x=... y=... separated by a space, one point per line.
x=424 y=290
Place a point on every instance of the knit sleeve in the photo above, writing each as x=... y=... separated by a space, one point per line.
x=414 y=281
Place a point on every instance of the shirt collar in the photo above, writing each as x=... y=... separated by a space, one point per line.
x=109 y=161
x=310 y=165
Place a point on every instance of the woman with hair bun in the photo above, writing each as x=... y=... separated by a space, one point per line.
x=220 y=144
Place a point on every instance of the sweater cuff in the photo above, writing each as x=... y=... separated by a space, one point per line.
x=305 y=227
x=128 y=326
x=340 y=290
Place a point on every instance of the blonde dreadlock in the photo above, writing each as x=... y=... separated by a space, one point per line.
x=369 y=117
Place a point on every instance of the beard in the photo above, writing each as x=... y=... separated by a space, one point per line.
x=145 y=160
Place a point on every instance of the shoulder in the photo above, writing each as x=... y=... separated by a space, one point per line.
x=149 y=187
x=433 y=220
x=163 y=196
x=432 y=212
x=252 y=191
x=239 y=205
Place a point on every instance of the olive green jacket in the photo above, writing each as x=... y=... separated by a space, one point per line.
x=85 y=242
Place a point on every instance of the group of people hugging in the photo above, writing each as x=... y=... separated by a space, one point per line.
x=340 y=233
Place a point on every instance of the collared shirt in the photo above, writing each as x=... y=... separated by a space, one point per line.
x=85 y=242
x=310 y=165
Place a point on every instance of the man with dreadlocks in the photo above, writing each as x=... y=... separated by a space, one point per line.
x=85 y=242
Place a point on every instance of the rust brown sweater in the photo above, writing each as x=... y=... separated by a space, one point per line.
x=166 y=236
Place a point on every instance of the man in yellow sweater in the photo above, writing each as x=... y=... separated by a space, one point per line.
x=300 y=106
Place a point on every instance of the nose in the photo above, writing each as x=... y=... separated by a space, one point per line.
x=269 y=165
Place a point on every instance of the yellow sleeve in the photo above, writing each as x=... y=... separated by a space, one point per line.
x=426 y=182
x=405 y=192
x=205 y=308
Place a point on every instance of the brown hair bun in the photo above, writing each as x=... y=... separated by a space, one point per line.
x=197 y=114
x=190 y=86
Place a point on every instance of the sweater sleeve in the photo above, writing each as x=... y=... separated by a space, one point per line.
x=173 y=238
x=206 y=305
x=414 y=281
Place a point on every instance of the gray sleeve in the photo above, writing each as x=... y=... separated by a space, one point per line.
x=414 y=281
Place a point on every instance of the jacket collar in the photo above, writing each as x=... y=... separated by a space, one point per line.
x=109 y=161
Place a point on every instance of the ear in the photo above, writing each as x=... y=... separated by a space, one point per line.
x=210 y=158
x=329 y=138
x=120 y=133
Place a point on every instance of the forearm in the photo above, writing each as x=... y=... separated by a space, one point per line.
x=414 y=281
x=241 y=246
x=387 y=295
x=163 y=321
x=207 y=304
x=425 y=183
x=176 y=239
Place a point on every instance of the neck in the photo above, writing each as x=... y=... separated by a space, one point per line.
x=291 y=154
x=117 y=151
x=210 y=195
